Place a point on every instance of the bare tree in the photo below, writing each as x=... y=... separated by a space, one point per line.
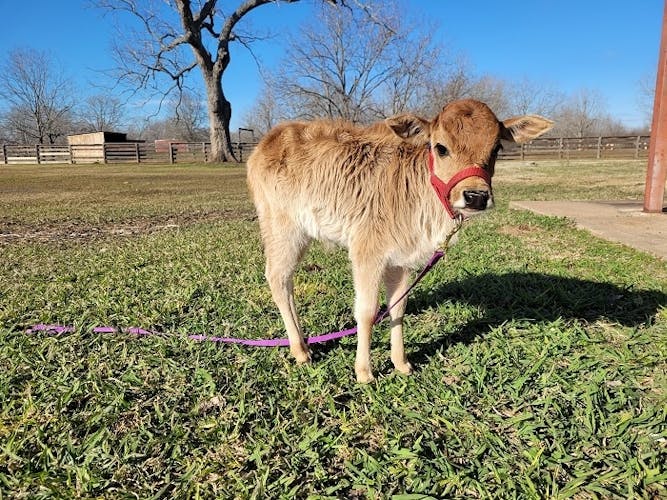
x=646 y=95
x=148 y=129
x=101 y=112
x=159 y=48
x=188 y=117
x=454 y=83
x=493 y=91
x=459 y=81
x=414 y=61
x=345 y=65
x=530 y=97
x=39 y=99
x=184 y=122
x=610 y=126
x=265 y=113
x=581 y=114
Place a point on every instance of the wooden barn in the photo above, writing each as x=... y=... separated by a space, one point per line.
x=92 y=147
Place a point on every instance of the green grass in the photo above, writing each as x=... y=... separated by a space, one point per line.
x=541 y=351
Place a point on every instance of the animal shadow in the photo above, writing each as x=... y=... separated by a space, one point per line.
x=536 y=297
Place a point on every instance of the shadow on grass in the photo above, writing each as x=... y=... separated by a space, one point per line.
x=537 y=298
x=532 y=297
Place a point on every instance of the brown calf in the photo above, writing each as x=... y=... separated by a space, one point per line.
x=368 y=189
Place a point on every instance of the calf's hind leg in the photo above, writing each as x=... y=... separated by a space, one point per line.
x=284 y=245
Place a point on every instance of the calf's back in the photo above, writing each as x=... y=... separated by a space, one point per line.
x=338 y=182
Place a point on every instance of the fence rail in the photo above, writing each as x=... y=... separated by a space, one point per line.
x=635 y=146
x=190 y=152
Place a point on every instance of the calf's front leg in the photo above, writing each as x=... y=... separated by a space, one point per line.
x=367 y=274
x=396 y=282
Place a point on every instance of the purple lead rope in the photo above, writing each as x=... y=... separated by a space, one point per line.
x=59 y=329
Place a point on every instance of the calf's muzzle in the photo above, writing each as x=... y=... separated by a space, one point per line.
x=476 y=199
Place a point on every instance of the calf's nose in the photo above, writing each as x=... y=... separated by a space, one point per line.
x=476 y=199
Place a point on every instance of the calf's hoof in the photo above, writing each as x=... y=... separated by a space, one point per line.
x=365 y=376
x=405 y=368
x=302 y=356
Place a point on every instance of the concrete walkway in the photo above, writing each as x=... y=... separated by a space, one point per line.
x=619 y=221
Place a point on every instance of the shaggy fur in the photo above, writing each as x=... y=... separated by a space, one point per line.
x=368 y=190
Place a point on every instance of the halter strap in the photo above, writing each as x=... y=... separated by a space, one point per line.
x=443 y=189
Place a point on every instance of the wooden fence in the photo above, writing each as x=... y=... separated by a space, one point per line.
x=188 y=152
x=635 y=147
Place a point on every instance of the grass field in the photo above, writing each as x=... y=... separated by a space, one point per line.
x=540 y=350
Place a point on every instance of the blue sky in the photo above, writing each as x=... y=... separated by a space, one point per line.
x=608 y=46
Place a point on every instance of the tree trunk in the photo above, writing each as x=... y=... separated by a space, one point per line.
x=219 y=115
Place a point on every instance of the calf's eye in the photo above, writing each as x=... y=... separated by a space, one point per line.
x=441 y=150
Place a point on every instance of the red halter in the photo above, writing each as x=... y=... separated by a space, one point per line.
x=443 y=189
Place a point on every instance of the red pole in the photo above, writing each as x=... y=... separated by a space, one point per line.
x=656 y=173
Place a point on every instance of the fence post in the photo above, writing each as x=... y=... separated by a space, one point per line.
x=560 y=148
x=639 y=138
x=523 y=151
x=37 y=153
x=104 y=153
x=171 y=153
x=599 y=151
x=4 y=154
x=238 y=145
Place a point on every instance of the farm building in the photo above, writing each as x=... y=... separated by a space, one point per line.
x=93 y=138
x=92 y=147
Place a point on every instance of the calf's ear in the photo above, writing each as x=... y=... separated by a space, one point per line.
x=410 y=128
x=524 y=128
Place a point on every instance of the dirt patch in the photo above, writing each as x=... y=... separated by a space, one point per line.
x=518 y=231
x=85 y=231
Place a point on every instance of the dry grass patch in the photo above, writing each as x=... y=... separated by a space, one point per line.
x=576 y=180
